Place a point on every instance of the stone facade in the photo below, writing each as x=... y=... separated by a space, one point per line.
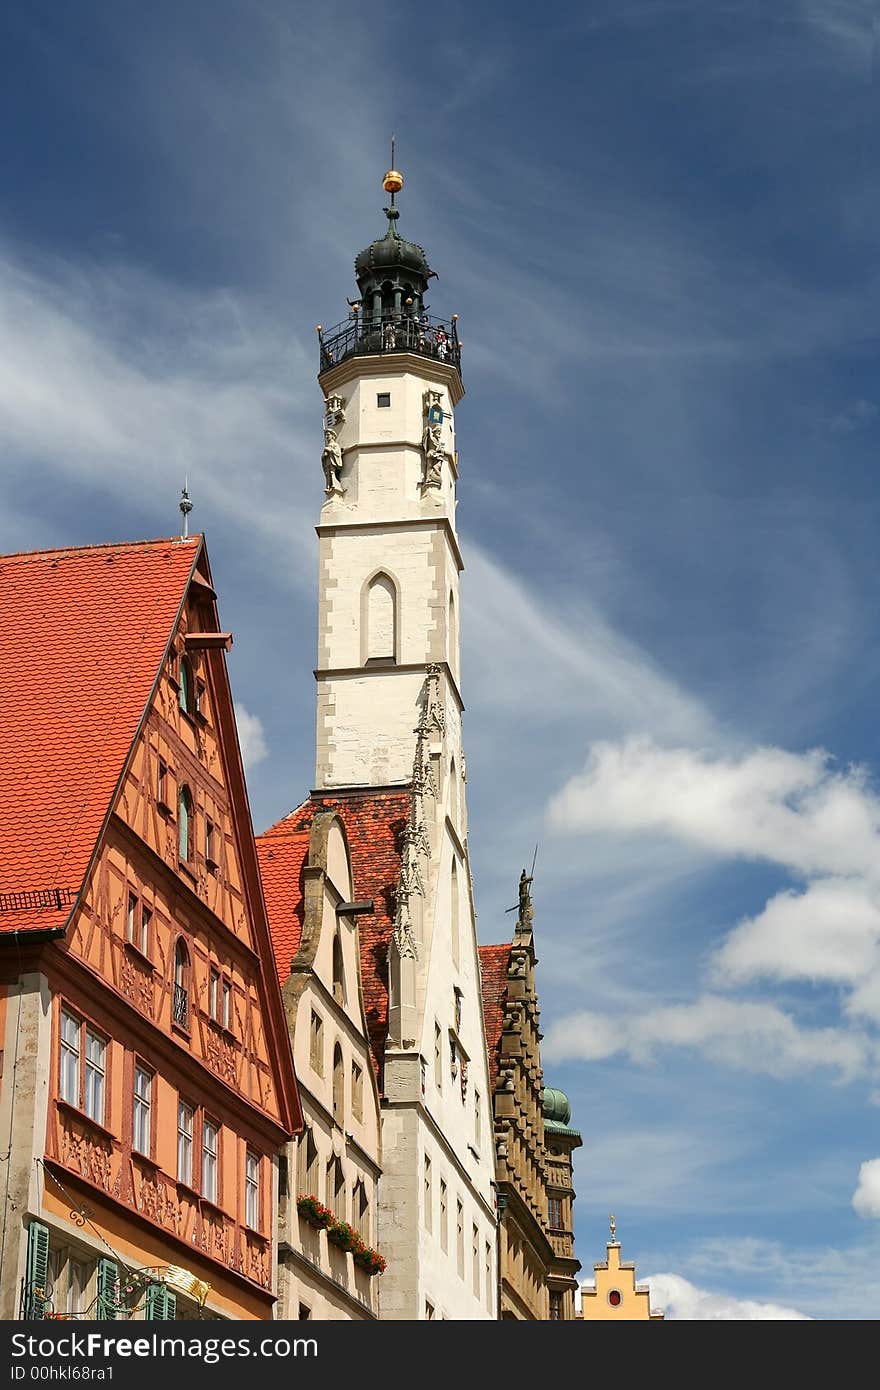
x=533 y=1143
x=307 y=878
x=389 y=713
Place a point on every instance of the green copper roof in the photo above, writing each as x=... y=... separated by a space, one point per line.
x=557 y=1108
x=391 y=252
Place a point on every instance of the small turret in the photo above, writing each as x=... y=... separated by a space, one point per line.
x=391 y=314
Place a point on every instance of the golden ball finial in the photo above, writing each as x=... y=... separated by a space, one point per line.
x=393 y=181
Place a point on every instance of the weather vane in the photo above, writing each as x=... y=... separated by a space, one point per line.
x=393 y=180
x=186 y=507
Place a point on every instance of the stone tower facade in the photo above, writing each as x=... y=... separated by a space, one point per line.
x=389 y=735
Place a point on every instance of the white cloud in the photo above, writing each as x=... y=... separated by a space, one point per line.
x=597 y=674
x=752 y=1035
x=793 y=809
x=829 y=932
x=683 y=1301
x=797 y=810
x=866 y=1198
x=251 y=737
x=128 y=383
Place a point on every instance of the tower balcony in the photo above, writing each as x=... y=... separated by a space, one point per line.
x=368 y=335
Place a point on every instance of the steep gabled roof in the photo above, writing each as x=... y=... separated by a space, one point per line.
x=494 y=962
x=373 y=823
x=282 y=851
x=82 y=637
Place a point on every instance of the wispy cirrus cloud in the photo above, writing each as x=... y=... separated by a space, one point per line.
x=756 y=1036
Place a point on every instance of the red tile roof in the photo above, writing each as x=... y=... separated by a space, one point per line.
x=82 y=637
x=494 y=961
x=282 y=851
x=374 y=822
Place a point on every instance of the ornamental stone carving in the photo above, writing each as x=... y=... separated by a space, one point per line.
x=433 y=450
x=331 y=456
x=91 y=1158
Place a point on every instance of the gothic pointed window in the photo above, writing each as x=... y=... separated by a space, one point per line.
x=338 y=1085
x=180 y=1003
x=381 y=622
x=338 y=974
x=452 y=635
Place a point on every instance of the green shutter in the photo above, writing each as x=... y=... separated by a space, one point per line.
x=161 y=1303
x=37 y=1270
x=108 y=1290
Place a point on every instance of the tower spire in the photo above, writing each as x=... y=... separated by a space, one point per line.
x=186 y=507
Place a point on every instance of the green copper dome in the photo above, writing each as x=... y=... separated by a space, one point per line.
x=391 y=252
x=557 y=1107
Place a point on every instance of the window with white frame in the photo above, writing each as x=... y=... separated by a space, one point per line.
x=226 y=1003
x=210 y=1151
x=185 y=1121
x=252 y=1190
x=131 y=918
x=141 y=1109
x=95 y=1074
x=143 y=941
x=68 y=1081
x=214 y=993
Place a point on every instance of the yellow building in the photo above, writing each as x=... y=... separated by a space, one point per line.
x=615 y=1294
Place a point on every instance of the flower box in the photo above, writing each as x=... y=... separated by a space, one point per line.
x=314 y=1212
x=343 y=1235
x=370 y=1261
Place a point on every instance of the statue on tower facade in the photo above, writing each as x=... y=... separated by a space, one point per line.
x=432 y=441
x=331 y=456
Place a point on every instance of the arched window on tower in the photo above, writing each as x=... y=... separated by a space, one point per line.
x=380 y=622
x=453 y=793
x=453 y=636
x=338 y=1085
x=338 y=972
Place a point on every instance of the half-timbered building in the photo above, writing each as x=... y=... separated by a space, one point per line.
x=147 y=1081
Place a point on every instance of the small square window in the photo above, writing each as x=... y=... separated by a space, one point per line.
x=383 y=400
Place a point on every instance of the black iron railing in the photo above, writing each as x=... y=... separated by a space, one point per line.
x=361 y=335
x=181 y=1006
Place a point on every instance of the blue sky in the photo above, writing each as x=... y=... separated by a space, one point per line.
x=657 y=222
